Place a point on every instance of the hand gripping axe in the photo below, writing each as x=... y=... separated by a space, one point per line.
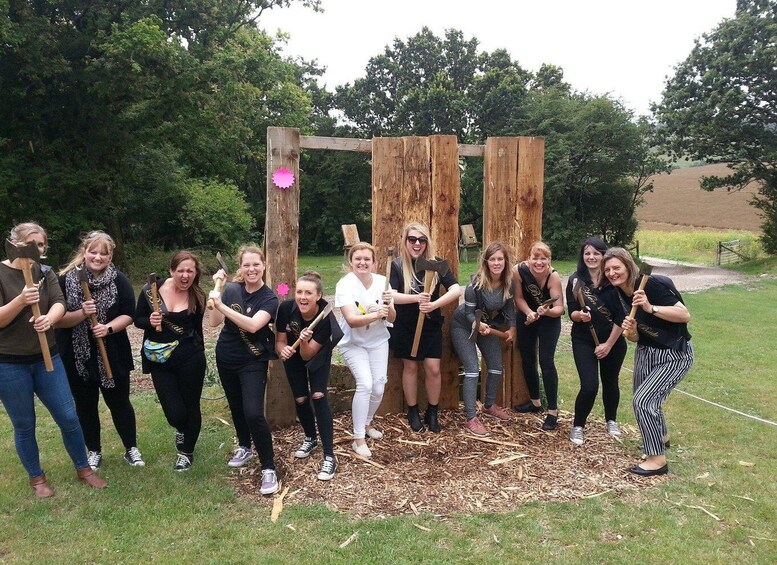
x=25 y=253
x=645 y=270
x=577 y=290
x=83 y=278
x=431 y=267
x=219 y=283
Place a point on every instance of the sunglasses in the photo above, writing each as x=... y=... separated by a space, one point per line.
x=414 y=239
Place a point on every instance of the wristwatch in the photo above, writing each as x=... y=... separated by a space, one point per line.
x=655 y=310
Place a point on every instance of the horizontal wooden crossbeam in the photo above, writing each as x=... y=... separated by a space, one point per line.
x=365 y=145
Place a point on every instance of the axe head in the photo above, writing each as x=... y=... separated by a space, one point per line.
x=221 y=262
x=645 y=269
x=83 y=276
x=391 y=253
x=151 y=279
x=27 y=250
x=473 y=336
x=438 y=265
x=550 y=301
x=577 y=286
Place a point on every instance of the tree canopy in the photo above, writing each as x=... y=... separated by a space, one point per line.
x=721 y=106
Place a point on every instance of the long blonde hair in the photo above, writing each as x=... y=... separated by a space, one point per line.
x=408 y=273
x=482 y=277
x=248 y=248
x=87 y=242
x=628 y=261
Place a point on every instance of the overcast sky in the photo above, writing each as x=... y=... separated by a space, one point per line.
x=624 y=48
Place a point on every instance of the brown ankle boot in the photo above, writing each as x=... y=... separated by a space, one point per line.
x=41 y=486
x=86 y=475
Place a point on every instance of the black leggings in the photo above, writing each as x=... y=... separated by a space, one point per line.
x=87 y=398
x=179 y=389
x=244 y=387
x=303 y=384
x=543 y=333
x=589 y=369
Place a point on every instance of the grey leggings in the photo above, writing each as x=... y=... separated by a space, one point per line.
x=492 y=353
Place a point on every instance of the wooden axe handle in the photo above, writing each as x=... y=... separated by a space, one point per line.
x=428 y=279
x=44 y=343
x=100 y=342
x=155 y=302
x=642 y=284
x=217 y=287
x=312 y=325
x=581 y=301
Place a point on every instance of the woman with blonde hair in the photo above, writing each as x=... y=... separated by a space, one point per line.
x=490 y=292
x=23 y=374
x=540 y=323
x=410 y=299
x=367 y=309
x=245 y=346
x=112 y=303
x=664 y=352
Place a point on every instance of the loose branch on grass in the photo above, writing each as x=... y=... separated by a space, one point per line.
x=597 y=493
x=351 y=538
x=422 y=528
x=717 y=519
x=277 y=505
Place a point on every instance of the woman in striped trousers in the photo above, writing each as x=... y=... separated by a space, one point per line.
x=664 y=352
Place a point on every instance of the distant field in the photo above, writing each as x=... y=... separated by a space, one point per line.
x=677 y=202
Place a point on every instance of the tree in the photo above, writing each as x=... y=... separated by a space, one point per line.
x=721 y=106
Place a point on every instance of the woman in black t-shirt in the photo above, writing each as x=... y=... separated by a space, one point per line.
x=307 y=366
x=409 y=300
x=244 y=348
x=664 y=353
x=112 y=302
x=178 y=379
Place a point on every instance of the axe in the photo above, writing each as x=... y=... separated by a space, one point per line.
x=473 y=337
x=84 y=280
x=154 y=296
x=327 y=309
x=26 y=252
x=438 y=266
x=549 y=301
x=644 y=270
x=389 y=258
x=219 y=285
x=577 y=290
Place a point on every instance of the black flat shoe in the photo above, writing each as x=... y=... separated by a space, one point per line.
x=550 y=423
x=431 y=420
x=528 y=407
x=637 y=470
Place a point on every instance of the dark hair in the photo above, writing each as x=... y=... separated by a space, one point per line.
x=196 y=294
x=315 y=278
x=594 y=242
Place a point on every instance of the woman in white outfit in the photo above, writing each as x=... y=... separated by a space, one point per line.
x=367 y=310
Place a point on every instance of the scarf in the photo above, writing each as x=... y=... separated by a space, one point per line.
x=104 y=294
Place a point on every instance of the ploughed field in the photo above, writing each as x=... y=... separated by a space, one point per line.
x=677 y=202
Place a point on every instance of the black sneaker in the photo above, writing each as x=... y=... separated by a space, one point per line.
x=431 y=419
x=178 y=442
x=550 y=422
x=134 y=458
x=183 y=462
x=527 y=407
x=95 y=459
x=328 y=468
x=308 y=445
x=414 y=419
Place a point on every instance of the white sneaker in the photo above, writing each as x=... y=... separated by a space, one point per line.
x=613 y=428
x=373 y=433
x=134 y=458
x=95 y=459
x=362 y=450
x=269 y=482
x=576 y=435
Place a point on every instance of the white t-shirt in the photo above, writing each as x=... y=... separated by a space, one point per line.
x=351 y=291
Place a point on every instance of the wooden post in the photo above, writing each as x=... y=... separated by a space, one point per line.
x=513 y=180
x=281 y=237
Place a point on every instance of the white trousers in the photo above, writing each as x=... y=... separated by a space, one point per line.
x=370 y=369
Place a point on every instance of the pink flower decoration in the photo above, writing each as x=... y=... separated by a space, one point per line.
x=282 y=290
x=283 y=178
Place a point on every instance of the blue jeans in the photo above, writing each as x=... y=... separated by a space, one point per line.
x=19 y=384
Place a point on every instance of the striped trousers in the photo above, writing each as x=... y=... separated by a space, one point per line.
x=656 y=373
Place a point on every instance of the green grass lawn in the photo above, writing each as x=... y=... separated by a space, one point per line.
x=722 y=464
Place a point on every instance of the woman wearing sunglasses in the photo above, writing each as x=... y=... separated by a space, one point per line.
x=411 y=299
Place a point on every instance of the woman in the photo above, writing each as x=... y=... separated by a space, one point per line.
x=174 y=350
x=23 y=374
x=591 y=358
x=490 y=292
x=664 y=352
x=540 y=323
x=307 y=366
x=244 y=348
x=367 y=310
x=410 y=299
x=113 y=303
